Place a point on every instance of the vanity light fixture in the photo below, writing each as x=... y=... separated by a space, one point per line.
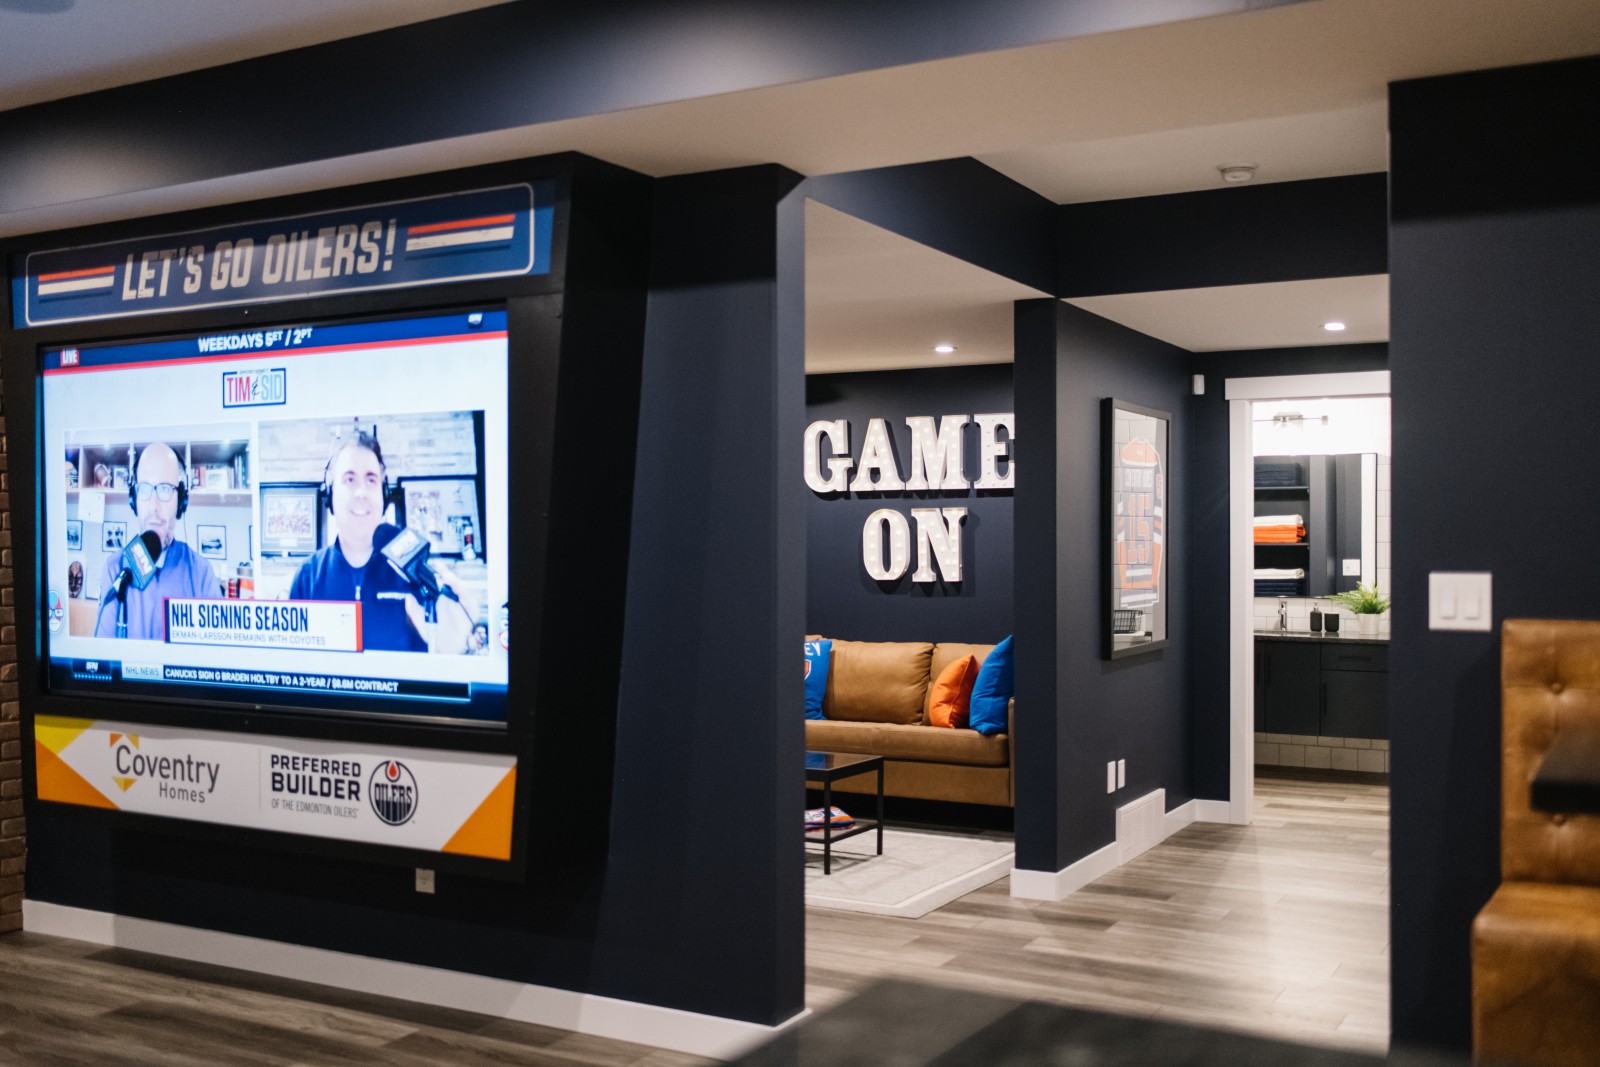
x=1333 y=327
x=944 y=350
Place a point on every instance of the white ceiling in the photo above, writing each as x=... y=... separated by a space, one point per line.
x=1298 y=90
x=1277 y=315
x=56 y=48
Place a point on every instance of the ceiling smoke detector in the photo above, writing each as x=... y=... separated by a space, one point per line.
x=1237 y=173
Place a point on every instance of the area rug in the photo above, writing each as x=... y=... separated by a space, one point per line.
x=920 y=870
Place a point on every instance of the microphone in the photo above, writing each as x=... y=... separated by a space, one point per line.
x=407 y=553
x=139 y=562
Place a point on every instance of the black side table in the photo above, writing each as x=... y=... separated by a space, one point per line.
x=825 y=768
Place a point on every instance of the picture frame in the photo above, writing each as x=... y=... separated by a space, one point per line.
x=112 y=535
x=1136 y=495
x=291 y=519
x=74 y=535
x=212 y=541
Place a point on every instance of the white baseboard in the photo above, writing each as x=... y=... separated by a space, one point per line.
x=623 y=1020
x=1058 y=885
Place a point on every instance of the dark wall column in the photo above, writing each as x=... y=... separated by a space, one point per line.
x=703 y=907
x=1076 y=711
x=1494 y=247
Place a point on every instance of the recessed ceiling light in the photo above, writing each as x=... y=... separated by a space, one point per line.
x=1333 y=327
x=1237 y=173
x=944 y=350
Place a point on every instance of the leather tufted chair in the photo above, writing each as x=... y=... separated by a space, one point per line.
x=1536 y=944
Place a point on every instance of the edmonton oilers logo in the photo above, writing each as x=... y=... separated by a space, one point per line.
x=393 y=792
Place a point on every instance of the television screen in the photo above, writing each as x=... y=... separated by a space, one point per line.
x=307 y=516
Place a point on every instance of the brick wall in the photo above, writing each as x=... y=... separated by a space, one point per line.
x=13 y=847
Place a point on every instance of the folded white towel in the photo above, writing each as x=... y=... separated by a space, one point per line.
x=1279 y=520
x=1279 y=572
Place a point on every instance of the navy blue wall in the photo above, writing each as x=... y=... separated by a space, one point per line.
x=1076 y=711
x=1492 y=341
x=1207 y=499
x=842 y=599
x=703 y=893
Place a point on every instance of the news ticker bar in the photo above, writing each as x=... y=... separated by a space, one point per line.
x=107 y=671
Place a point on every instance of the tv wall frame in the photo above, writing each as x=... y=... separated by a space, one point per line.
x=542 y=334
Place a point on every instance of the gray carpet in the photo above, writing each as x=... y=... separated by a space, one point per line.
x=920 y=870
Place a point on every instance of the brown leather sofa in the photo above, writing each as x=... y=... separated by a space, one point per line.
x=877 y=704
x=1536 y=944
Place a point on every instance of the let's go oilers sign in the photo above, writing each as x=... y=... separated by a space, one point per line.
x=485 y=233
x=450 y=802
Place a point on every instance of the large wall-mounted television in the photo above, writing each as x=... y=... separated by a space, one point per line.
x=306 y=517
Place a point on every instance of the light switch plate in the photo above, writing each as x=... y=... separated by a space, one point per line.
x=1352 y=568
x=1460 y=600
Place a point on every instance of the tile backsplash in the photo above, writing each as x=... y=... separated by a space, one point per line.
x=1322 y=753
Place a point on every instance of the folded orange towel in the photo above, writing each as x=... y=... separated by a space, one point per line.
x=1279 y=535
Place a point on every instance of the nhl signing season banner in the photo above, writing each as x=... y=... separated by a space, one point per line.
x=456 y=802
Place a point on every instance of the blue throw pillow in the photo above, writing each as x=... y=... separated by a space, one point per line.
x=992 y=692
x=817 y=655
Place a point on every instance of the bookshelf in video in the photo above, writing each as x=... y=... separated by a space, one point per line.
x=304 y=515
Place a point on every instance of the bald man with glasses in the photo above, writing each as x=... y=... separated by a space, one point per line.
x=159 y=500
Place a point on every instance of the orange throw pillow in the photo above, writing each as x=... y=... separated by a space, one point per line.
x=952 y=692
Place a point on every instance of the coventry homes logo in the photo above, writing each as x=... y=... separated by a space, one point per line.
x=253 y=388
x=177 y=777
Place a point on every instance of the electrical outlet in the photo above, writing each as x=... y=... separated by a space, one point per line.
x=424 y=880
x=1111 y=777
x=1122 y=773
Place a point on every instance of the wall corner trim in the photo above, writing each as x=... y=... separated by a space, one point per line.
x=586 y=1013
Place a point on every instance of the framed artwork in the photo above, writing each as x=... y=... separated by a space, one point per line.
x=445 y=510
x=112 y=535
x=1136 y=495
x=74 y=535
x=213 y=541
x=290 y=519
x=119 y=477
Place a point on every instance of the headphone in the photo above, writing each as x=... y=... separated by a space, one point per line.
x=183 y=487
x=358 y=438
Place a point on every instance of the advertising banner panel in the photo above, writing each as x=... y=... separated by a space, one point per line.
x=450 y=802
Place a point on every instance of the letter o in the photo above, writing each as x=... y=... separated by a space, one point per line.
x=872 y=534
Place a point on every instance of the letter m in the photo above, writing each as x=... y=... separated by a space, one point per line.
x=936 y=460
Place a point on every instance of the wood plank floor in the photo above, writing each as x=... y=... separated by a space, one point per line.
x=72 y=1003
x=1280 y=928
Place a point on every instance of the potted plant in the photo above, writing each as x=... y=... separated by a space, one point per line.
x=1365 y=603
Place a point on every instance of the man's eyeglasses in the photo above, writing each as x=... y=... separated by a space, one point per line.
x=164 y=491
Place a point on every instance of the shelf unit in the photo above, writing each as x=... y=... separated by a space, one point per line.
x=1310 y=495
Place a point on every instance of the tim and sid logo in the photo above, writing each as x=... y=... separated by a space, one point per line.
x=393 y=792
x=253 y=388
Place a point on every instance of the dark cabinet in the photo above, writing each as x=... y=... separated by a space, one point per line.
x=1328 y=687
x=1287 y=697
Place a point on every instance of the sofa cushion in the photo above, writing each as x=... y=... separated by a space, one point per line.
x=951 y=692
x=993 y=691
x=896 y=742
x=946 y=654
x=878 y=681
x=817 y=657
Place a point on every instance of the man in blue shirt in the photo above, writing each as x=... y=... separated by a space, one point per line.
x=355 y=491
x=159 y=497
